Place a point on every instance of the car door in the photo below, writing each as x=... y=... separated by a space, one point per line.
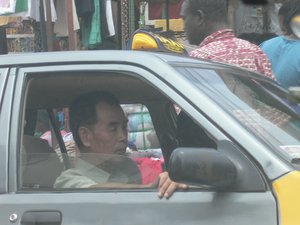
x=38 y=206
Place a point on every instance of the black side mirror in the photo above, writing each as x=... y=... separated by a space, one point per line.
x=202 y=166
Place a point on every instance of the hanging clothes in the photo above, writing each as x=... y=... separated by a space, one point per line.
x=34 y=12
x=30 y=9
x=99 y=24
x=109 y=18
x=16 y=7
x=116 y=19
x=91 y=28
x=21 y=6
x=7 y=6
x=85 y=7
x=95 y=34
x=104 y=25
x=61 y=25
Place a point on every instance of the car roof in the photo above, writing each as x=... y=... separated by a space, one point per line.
x=83 y=56
x=145 y=58
x=128 y=89
x=126 y=56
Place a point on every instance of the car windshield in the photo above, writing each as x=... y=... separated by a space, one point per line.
x=259 y=105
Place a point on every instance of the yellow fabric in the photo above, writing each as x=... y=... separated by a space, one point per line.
x=4 y=20
x=287 y=189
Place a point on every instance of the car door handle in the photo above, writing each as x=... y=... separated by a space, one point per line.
x=41 y=218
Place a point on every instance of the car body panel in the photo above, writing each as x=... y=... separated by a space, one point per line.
x=146 y=208
x=287 y=191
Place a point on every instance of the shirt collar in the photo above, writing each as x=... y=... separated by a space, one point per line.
x=218 y=35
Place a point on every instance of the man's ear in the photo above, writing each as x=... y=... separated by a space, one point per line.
x=200 y=17
x=85 y=135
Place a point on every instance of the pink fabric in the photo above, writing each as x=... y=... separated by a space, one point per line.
x=150 y=169
x=47 y=136
x=223 y=46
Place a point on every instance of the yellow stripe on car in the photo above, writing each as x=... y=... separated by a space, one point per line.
x=287 y=189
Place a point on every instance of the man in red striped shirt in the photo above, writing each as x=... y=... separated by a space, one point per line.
x=206 y=25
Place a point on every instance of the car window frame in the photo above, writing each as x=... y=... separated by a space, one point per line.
x=147 y=76
x=23 y=75
x=7 y=158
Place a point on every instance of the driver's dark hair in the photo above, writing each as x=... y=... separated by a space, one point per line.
x=83 y=111
x=287 y=10
x=215 y=10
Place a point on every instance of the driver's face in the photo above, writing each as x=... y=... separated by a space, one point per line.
x=109 y=134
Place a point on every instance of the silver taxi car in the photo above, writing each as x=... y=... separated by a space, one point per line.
x=248 y=174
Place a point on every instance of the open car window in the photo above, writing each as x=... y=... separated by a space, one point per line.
x=46 y=166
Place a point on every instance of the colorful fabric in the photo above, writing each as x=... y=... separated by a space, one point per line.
x=47 y=136
x=285 y=59
x=140 y=127
x=223 y=46
x=150 y=169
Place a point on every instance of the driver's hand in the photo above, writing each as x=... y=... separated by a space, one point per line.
x=166 y=186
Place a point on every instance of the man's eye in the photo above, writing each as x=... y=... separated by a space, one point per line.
x=113 y=128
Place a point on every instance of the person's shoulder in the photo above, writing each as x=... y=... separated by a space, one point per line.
x=198 y=53
x=278 y=39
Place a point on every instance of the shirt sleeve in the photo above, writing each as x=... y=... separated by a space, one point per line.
x=72 y=179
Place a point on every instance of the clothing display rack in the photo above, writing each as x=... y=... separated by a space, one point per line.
x=43 y=29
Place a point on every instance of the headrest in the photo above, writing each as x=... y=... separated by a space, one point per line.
x=34 y=144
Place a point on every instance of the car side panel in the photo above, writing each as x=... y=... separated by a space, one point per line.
x=207 y=208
